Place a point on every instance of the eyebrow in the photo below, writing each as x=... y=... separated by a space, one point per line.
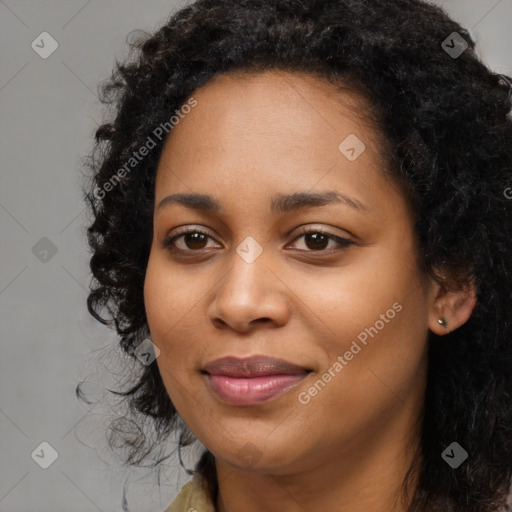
x=280 y=203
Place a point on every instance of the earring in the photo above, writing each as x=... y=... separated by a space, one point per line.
x=443 y=322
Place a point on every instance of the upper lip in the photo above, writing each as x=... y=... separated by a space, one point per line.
x=254 y=366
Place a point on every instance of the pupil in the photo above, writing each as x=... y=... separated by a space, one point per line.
x=195 y=238
x=317 y=238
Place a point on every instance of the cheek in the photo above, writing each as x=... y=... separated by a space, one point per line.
x=172 y=319
x=375 y=379
x=165 y=306
x=375 y=317
x=375 y=289
x=168 y=301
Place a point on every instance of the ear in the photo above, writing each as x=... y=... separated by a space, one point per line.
x=453 y=307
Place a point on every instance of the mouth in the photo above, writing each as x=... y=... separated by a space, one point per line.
x=253 y=380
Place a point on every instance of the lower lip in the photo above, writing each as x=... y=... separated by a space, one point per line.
x=252 y=390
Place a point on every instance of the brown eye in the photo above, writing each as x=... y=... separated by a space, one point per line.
x=191 y=240
x=195 y=240
x=316 y=240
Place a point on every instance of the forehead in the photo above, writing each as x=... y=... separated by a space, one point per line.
x=274 y=98
x=269 y=130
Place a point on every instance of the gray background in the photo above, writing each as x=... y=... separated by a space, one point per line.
x=49 y=111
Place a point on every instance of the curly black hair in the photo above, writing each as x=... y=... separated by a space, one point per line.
x=444 y=118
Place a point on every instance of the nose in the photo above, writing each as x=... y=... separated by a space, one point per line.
x=249 y=295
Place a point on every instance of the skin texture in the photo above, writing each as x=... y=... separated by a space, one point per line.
x=348 y=448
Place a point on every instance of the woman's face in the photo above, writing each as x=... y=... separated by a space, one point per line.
x=352 y=316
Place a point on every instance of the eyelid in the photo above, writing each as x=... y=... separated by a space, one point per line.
x=313 y=228
x=183 y=230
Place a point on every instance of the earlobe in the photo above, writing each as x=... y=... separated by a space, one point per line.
x=451 y=309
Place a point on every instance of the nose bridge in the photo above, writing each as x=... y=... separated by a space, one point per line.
x=249 y=291
x=246 y=280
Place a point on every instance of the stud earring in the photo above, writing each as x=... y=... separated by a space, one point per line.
x=443 y=322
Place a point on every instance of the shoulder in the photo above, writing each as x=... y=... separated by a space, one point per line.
x=193 y=497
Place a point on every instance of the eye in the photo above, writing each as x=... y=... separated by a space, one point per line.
x=194 y=239
x=315 y=239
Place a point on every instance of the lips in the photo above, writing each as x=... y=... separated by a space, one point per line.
x=253 y=380
x=255 y=366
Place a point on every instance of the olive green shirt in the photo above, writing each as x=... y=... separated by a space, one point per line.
x=193 y=497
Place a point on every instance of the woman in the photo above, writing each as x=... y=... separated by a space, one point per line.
x=302 y=231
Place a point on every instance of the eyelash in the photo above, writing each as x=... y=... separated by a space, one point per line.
x=342 y=242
